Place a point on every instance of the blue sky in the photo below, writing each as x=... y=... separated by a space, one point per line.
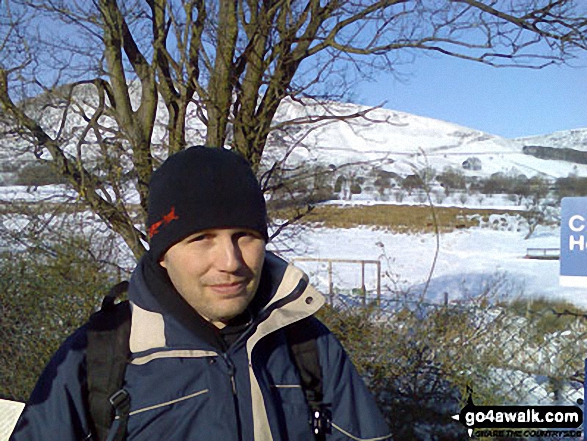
x=509 y=102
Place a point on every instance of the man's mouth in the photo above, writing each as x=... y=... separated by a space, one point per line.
x=229 y=289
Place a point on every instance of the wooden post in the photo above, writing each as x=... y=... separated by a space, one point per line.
x=354 y=261
x=330 y=286
x=363 y=290
x=378 y=283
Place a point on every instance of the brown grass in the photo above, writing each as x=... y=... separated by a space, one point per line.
x=397 y=218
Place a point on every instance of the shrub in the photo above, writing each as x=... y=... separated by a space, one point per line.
x=412 y=182
x=571 y=186
x=339 y=183
x=412 y=365
x=43 y=298
x=422 y=360
x=452 y=179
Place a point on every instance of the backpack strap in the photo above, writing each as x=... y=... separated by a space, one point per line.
x=301 y=337
x=106 y=358
x=108 y=353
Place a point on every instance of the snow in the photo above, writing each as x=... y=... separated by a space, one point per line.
x=467 y=261
x=466 y=258
x=405 y=142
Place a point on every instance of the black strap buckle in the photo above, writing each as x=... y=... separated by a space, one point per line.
x=321 y=420
x=120 y=401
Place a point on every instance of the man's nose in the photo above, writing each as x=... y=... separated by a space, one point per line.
x=229 y=258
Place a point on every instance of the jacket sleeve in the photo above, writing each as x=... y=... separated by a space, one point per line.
x=56 y=408
x=355 y=415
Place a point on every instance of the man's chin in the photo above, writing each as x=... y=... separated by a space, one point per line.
x=227 y=314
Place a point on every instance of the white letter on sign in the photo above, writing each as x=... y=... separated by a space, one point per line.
x=579 y=241
x=572 y=223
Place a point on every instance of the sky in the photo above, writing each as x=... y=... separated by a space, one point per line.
x=508 y=102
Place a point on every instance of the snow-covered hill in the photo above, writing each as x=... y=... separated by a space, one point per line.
x=572 y=139
x=341 y=133
x=407 y=141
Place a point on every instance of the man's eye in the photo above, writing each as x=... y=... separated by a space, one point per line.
x=199 y=238
x=247 y=234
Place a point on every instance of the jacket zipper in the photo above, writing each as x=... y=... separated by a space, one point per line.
x=231 y=372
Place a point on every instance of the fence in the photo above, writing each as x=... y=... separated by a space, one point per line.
x=509 y=353
x=543 y=253
x=422 y=358
x=362 y=262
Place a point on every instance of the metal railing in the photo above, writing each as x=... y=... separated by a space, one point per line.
x=543 y=253
x=361 y=262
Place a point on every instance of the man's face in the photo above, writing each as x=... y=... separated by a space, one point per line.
x=217 y=271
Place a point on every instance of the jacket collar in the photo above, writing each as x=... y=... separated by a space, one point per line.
x=162 y=318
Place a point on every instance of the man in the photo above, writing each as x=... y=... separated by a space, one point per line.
x=212 y=310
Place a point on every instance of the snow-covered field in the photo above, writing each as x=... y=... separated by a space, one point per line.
x=466 y=261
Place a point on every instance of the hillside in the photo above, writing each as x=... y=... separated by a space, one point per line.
x=573 y=139
x=398 y=141
x=404 y=141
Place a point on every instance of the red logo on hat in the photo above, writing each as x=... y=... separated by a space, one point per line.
x=171 y=216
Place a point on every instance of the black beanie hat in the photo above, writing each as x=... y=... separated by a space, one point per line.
x=201 y=188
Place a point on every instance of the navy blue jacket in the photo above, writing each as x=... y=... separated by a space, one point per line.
x=182 y=388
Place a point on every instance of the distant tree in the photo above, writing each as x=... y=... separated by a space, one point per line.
x=356 y=188
x=305 y=185
x=125 y=82
x=572 y=185
x=323 y=190
x=510 y=183
x=411 y=183
x=520 y=187
x=382 y=184
x=451 y=179
x=427 y=174
x=539 y=189
x=537 y=205
x=338 y=185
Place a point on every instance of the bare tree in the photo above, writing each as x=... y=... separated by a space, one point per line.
x=89 y=84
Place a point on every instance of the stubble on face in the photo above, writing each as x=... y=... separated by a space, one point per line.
x=217 y=271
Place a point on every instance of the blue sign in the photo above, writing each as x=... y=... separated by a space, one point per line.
x=573 y=256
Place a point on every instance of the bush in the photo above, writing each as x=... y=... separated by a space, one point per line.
x=421 y=361
x=452 y=179
x=413 y=366
x=571 y=186
x=411 y=183
x=43 y=298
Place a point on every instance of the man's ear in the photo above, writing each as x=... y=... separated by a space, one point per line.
x=162 y=262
